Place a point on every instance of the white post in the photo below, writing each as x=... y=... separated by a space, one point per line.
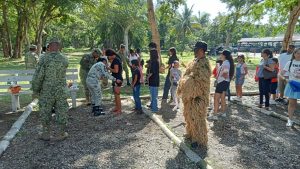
x=18 y=102
x=73 y=96
x=15 y=104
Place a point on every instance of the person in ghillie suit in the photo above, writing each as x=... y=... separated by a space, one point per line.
x=50 y=87
x=194 y=90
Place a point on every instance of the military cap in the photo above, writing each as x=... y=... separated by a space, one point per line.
x=32 y=47
x=201 y=45
x=98 y=51
x=54 y=40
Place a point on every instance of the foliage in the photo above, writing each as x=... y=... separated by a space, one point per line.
x=98 y=23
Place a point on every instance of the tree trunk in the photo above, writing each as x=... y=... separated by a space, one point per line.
x=19 y=37
x=293 y=19
x=126 y=31
x=228 y=39
x=39 y=35
x=6 y=42
x=153 y=26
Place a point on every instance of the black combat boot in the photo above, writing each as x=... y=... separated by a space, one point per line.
x=93 y=108
x=98 y=112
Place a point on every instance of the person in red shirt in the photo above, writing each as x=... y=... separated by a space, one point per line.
x=218 y=64
x=274 y=83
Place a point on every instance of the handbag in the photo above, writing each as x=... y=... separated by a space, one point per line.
x=269 y=74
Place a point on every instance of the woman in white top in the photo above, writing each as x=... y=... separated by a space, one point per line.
x=224 y=74
x=292 y=89
x=132 y=56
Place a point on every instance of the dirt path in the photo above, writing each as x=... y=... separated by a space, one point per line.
x=128 y=141
x=245 y=139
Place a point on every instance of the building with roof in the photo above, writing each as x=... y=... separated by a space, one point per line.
x=257 y=44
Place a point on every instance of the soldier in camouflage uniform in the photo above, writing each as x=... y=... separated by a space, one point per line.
x=31 y=58
x=86 y=62
x=122 y=56
x=96 y=73
x=49 y=85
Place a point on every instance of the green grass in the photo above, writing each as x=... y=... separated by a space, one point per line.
x=75 y=55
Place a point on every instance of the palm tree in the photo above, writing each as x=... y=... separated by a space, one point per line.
x=184 y=24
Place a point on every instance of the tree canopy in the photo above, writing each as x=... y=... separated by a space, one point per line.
x=107 y=24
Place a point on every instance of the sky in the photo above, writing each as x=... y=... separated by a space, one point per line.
x=210 y=6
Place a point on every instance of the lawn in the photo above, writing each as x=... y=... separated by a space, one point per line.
x=75 y=55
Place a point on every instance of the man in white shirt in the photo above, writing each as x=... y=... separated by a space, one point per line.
x=283 y=59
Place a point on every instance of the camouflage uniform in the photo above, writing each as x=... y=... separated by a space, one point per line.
x=31 y=60
x=86 y=62
x=49 y=83
x=97 y=72
x=125 y=61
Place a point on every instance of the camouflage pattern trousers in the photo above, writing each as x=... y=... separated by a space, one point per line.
x=94 y=87
x=61 y=107
x=83 y=75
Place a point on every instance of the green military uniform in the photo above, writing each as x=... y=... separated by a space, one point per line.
x=86 y=62
x=31 y=58
x=125 y=61
x=49 y=83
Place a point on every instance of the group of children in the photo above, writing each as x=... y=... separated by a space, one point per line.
x=241 y=71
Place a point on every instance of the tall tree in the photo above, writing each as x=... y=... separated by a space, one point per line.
x=280 y=11
x=5 y=33
x=293 y=19
x=153 y=25
x=22 y=15
x=48 y=10
x=184 y=25
x=238 y=10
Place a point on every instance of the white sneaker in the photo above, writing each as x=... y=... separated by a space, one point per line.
x=272 y=102
x=289 y=123
x=224 y=115
x=212 y=117
x=238 y=99
x=173 y=104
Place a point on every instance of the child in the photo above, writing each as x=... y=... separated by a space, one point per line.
x=136 y=85
x=241 y=72
x=175 y=75
x=274 y=83
x=218 y=64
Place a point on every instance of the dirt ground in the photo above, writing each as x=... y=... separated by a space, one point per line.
x=127 y=141
x=246 y=139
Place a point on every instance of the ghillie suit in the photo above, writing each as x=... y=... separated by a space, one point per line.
x=194 y=90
